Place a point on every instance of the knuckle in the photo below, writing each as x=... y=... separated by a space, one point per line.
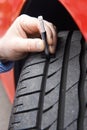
x=51 y=24
x=20 y=19
x=21 y=16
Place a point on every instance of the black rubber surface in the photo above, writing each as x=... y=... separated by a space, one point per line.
x=39 y=103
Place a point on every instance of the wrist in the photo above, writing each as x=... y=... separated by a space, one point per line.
x=3 y=57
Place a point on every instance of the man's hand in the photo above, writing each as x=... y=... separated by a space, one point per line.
x=24 y=36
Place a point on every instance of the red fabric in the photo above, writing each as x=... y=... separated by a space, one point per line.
x=78 y=10
x=9 y=10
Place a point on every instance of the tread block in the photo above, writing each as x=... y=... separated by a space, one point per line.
x=71 y=106
x=29 y=102
x=30 y=86
x=49 y=117
x=25 y=121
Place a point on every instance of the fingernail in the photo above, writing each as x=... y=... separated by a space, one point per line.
x=40 y=45
x=52 y=49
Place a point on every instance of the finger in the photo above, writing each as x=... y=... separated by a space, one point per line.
x=29 y=24
x=53 y=33
x=29 y=45
x=52 y=49
x=52 y=36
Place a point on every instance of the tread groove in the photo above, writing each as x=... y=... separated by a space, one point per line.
x=72 y=123
x=52 y=89
x=25 y=94
x=31 y=77
x=72 y=86
x=25 y=111
x=21 y=89
x=50 y=107
x=41 y=99
x=25 y=73
x=53 y=73
x=56 y=59
x=81 y=94
x=60 y=121
x=34 y=64
x=47 y=128
x=18 y=105
x=15 y=122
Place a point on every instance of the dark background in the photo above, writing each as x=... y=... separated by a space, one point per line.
x=51 y=10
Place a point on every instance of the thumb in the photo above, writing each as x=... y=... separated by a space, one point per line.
x=30 y=45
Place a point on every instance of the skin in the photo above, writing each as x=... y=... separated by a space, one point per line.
x=24 y=37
